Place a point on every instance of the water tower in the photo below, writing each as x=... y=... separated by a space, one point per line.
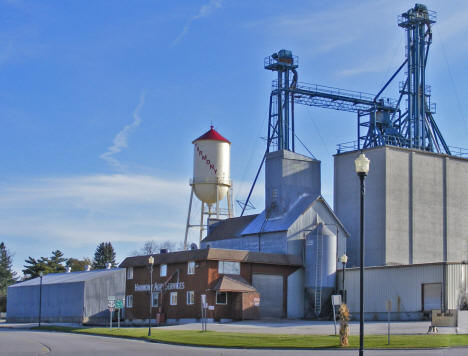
x=211 y=181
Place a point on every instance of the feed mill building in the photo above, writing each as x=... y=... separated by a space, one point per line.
x=296 y=221
x=415 y=246
x=416 y=230
x=236 y=285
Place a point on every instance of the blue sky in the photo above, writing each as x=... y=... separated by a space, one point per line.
x=100 y=101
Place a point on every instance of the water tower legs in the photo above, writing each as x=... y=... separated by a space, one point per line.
x=188 y=218
x=218 y=212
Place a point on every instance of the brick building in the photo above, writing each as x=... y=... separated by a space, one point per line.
x=238 y=285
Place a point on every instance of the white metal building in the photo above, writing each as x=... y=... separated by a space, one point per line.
x=74 y=297
x=414 y=290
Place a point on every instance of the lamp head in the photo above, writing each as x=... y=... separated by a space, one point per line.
x=344 y=258
x=362 y=164
x=41 y=274
x=151 y=260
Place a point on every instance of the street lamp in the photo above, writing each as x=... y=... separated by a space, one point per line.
x=344 y=260
x=151 y=263
x=362 y=168
x=40 y=296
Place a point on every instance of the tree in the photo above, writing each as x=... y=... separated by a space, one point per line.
x=46 y=265
x=7 y=275
x=104 y=254
x=78 y=265
x=56 y=260
x=152 y=247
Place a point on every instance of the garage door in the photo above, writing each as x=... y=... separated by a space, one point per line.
x=270 y=288
x=432 y=296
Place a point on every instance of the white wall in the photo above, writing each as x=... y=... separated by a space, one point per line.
x=295 y=306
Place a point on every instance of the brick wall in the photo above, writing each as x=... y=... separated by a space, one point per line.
x=239 y=305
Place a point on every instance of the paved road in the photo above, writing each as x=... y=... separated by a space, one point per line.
x=23 y=342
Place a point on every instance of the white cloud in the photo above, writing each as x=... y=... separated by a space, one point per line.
x=94 y=189
x=204 y=11
x=75 y=213
x=120 y=140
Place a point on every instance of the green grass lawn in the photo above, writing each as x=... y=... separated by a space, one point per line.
x=244 y=340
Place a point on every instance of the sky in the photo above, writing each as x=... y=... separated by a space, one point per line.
x=100 y=102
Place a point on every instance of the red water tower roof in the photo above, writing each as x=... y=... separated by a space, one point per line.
x=212 y=134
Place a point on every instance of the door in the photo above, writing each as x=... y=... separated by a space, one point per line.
x=432 y=296
x=270 y=288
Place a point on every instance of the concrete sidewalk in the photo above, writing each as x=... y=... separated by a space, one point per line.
x=284 y=327
x=313 y=327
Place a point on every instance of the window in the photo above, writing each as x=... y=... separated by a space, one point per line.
x=130 y=273
x=191 y=267
x=173 y=298
x=129 y=301
x=221 y=298
x=163 y=271
x=227 y=267
x=155 y=301
x=190 y=297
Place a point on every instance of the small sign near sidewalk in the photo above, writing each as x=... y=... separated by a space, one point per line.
x=388 y=306
x=336 y=302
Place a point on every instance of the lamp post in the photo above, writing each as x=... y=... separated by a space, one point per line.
x=362 y=168
x=40 y=296
x=344 y=260
x=151 y=263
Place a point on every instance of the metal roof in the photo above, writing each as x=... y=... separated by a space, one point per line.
x=212 y=134
x=72 y=277
x=228 y=228
x=261 y=224
x=214 y=254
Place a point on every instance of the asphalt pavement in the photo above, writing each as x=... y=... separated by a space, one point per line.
x=18 y=342
x=283 y=326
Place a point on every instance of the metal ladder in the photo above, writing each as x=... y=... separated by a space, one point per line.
x=318 y=274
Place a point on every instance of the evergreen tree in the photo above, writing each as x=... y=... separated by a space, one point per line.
x=7 y=275
x=56 y=261
x=46 y=265
x=104 y=254
x=77 y=264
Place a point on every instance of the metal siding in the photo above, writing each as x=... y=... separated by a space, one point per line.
x=456 y=284
x=381 y=284
x=270 y=288
x=96 y=292
x=295 y=300
x=416 y=206
x=432 y=296
x=60 y=303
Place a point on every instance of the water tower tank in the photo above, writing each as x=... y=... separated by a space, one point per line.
x=211 y=167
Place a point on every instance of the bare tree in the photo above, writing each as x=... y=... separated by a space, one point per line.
x=152 y=247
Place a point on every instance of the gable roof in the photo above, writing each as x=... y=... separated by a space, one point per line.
x=72 y=277
x=228 y=228
x=262 y=224
x=214 y=254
